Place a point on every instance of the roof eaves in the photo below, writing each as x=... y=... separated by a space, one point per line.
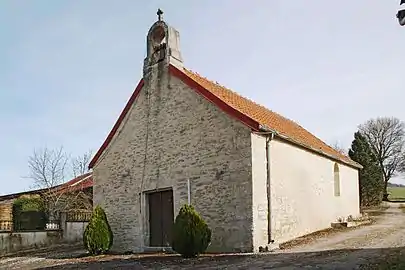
x=16 y=195
x=286 y=138
x=80 y=181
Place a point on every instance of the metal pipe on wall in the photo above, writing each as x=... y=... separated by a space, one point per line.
x=188 y=192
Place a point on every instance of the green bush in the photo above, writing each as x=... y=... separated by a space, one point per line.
x=98 y=237
x=29 y=213
x=29 y=204
x=191 y=235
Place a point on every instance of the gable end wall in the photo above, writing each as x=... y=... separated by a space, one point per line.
x=187 y=138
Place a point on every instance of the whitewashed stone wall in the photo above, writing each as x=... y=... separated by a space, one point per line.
x=259 y=183
x=302 y=192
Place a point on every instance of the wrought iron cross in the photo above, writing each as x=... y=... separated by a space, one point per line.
x=159 y=13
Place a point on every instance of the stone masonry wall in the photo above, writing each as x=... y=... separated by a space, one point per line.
x=184 y=137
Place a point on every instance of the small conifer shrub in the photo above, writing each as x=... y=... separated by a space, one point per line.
x=191 y=235
x=98 y=237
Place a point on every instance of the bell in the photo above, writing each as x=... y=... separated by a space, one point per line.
x=401 y=16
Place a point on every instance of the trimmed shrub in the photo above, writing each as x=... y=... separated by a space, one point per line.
x=191 y=235
x=98 y=237
x=29 y=213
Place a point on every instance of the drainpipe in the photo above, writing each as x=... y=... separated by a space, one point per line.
x=188 y=192
x=269 y=137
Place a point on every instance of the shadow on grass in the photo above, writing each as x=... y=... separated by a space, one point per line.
x=390 y=258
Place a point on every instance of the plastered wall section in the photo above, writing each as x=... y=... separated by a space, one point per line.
x=302 y=191
x=20 y=241
x=74 y=231
x=259 y=188
x=172 y=136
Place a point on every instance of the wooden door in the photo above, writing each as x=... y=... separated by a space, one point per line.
x=155 y=220
x=161 y=217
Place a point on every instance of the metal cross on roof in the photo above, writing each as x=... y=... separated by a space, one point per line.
x=159 y=13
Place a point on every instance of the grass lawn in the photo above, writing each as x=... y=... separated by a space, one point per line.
x=396 y=193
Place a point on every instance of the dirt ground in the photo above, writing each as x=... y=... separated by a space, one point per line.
x=361 y=248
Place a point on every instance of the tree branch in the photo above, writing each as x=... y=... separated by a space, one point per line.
x=386 y=136
x=48 y=171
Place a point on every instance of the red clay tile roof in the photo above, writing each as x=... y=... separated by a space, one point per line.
x=78 y=183
x=250 y=113
x=284 y=127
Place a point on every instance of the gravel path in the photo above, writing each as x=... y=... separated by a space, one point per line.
x=33 y=259
x=387 y=232
x=343 y=250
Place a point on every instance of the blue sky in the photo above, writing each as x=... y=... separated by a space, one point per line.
x=67 y=68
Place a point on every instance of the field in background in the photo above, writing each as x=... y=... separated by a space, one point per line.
x=396 y=193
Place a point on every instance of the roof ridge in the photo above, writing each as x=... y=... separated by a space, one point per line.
x=234 y=92
x=251 y=100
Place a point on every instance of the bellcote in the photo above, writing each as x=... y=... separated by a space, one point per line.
x=163 y=46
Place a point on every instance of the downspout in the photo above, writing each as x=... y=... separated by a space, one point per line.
x=269 y=137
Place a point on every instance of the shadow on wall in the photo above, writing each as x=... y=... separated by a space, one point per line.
x=343 y=258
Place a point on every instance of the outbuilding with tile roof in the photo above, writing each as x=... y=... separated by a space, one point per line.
x=256 y=177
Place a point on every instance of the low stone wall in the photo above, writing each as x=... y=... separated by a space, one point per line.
x=17 y=241
x=70 y=229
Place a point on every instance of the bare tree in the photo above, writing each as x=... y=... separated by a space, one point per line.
x=386 y=136
x=82 y=199
x=80 y=164
x=339 y=148
x=76 y=198
x=49 y=170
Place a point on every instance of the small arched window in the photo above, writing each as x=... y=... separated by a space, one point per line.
x=336 y=180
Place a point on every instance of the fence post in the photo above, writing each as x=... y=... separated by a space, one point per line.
x=63 y=224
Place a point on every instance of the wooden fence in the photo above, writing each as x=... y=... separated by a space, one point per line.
x=78 y=216
x=35 y=221
x=6 y=225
